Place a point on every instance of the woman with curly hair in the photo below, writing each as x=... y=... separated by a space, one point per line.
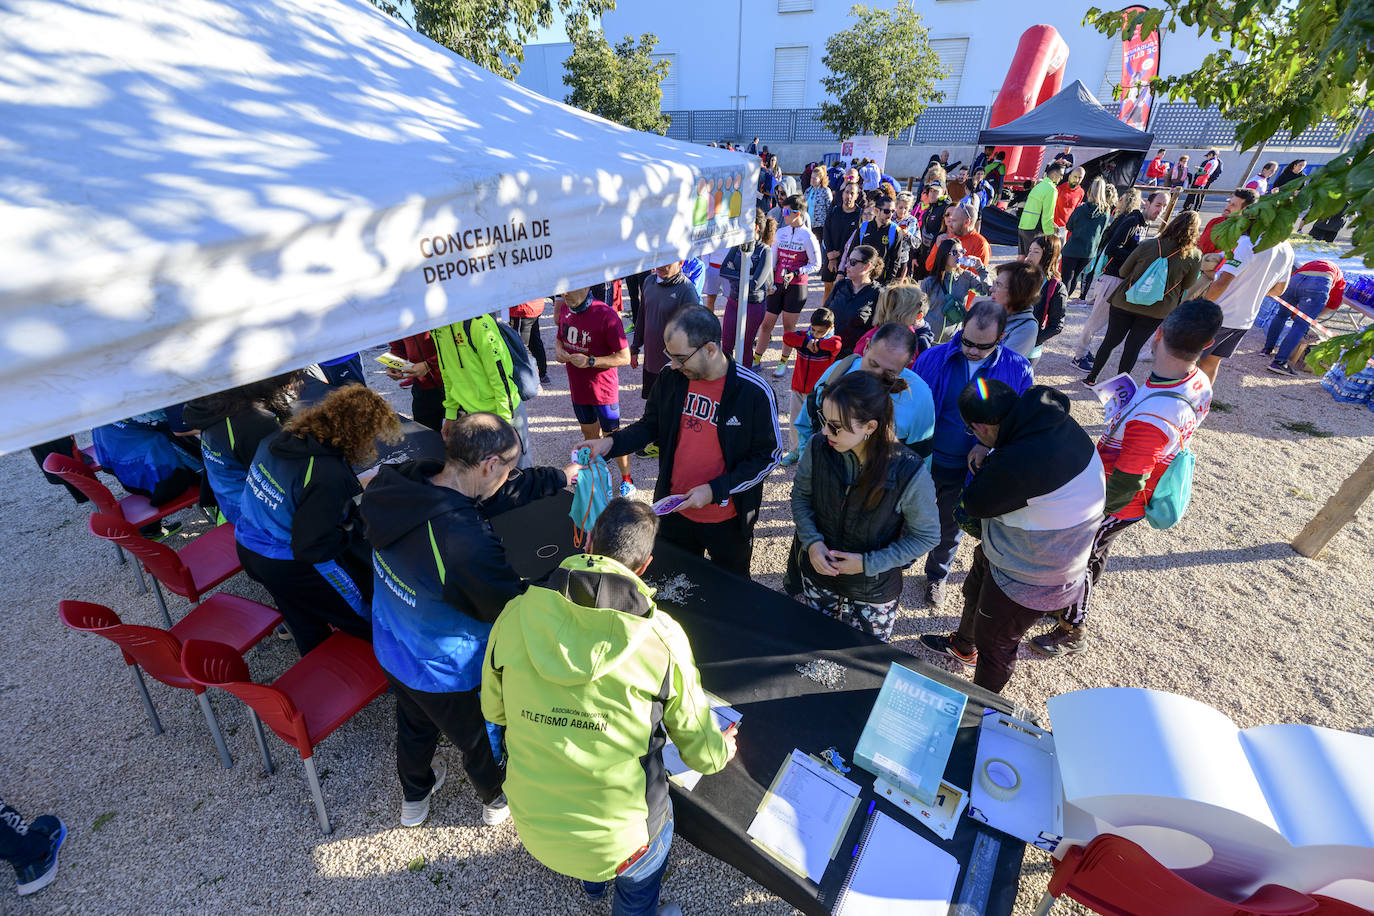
x=232 y=425
x=298 y=533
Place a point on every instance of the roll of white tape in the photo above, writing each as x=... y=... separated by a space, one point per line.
x=1000 y=779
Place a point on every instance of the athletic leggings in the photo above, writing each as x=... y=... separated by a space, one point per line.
x=1126 y=326
x=312 y=598
x=1073 y=271
x=753 y=317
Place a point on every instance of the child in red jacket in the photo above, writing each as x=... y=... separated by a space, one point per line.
x=816 y=350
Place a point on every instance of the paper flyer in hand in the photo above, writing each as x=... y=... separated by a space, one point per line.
x=1115 y=393
x=678 y=771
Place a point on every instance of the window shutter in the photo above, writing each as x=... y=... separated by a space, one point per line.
x=795 y=6
x=952 y=52
x=789 y=76
x=669 y=84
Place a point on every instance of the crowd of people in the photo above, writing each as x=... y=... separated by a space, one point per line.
x=918 y=371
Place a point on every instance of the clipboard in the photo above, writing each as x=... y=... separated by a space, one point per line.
x=777 y=827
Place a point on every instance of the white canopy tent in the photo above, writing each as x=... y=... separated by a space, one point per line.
x=205 y=193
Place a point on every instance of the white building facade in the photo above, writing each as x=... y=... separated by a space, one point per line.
x=754 y=54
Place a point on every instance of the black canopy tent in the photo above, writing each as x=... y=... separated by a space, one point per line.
x=1072 y=117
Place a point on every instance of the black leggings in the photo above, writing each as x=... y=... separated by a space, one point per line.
x=1073 y=269
x=309 y=602
x=1126 y=326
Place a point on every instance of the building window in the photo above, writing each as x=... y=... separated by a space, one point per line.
x=951 y=52
x=669 y=84
x=795 y=6
x=789 y=76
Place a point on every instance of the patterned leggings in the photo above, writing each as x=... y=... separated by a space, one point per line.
x=874 y=619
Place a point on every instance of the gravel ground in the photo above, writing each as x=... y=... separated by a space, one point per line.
x=1219 y=608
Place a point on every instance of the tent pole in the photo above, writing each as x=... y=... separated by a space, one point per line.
x=746 y=259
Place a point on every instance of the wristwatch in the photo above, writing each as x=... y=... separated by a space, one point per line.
x=591 y=362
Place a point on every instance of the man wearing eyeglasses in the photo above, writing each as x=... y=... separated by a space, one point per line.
x=716 y=427
x=974 y=352
x=893 y=245
x=440 y=579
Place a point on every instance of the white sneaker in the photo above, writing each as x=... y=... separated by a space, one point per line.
x=413 y=813
x=496 y=812
x=781 y=370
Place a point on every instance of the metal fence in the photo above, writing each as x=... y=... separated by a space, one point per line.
x=1175 y=124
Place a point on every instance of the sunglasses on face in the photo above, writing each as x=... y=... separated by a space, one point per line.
x=834 y=426
x=884 y=209
x=787 y=211
x=976 y=347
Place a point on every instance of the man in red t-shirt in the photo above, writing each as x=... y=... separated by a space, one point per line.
x=591 y=343
x=716 y=427
x=959 y=221
x=1143 y=439
x=1242 y=198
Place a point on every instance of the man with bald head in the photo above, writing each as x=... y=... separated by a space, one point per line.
x=961 y=221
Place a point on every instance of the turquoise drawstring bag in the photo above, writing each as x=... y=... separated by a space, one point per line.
x=1174 y=490
x=1151 y=286
x=593 y=490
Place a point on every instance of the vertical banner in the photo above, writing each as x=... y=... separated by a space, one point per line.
x=1139 y=65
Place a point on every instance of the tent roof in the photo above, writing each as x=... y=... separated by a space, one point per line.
x=1072 y=116
x=200 y=194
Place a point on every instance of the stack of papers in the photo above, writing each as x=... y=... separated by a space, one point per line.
x=680 y=772
x=803 y=818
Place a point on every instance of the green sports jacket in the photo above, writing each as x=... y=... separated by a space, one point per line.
x=476 y=367
x=589 y=677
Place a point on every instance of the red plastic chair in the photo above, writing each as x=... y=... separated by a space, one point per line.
x=87 y=456
x=235 y=622
x=134 y=509
x=1116 y=877
x=316 y=695
x=189 y=572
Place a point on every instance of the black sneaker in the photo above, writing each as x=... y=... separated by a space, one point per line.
x=1267 y=351
x=38 y=875
x=1060 y=641
x=544 y=380
x=944 y=646
x=159 y=531
x=1279 y=368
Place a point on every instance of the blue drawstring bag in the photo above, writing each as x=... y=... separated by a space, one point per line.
x=593 y=490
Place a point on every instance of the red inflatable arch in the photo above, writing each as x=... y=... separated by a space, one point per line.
x=1036 y=73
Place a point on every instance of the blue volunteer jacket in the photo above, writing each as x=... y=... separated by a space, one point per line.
x=440 y=575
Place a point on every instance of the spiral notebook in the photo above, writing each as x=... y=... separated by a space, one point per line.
x=897 y=873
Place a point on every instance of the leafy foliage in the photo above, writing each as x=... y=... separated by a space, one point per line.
x=1264 y=78
x=621 y=84
x=493 y=33
x=882 y=72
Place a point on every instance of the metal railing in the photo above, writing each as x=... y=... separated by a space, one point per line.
x=1175 y=124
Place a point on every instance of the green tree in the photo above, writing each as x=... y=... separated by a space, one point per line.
x=492 y=33
x=882 y=72
x=620 y=84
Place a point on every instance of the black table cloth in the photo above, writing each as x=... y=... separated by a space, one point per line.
x=748 y=640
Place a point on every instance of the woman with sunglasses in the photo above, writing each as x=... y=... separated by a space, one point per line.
x=795 y=256
x=864 y=508
x=853 y=298
x=948 y=288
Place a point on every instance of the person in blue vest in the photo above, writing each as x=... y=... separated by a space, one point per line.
x=148 y=458
x=975 y=352
x=232 y=425
x=892 y=244
x=440 y=580
x=298 y=533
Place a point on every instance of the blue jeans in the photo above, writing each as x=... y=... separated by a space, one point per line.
x=636 y=888
x=949 y=485
x=1308 y=295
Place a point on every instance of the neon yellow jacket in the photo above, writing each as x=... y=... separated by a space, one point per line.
x=1038 y=213
x=476 y=367
x=582 y=673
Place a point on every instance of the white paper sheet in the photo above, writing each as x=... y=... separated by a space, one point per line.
x=804 y=817
x=898 y=873
x=680 y=772
x=1319 y=782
